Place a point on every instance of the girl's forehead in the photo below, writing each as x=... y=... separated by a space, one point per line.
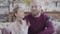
x=20 y=10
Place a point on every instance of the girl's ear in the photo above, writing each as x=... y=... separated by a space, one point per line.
x=15 y=14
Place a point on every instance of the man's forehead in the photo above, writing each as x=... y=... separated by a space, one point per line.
x=35 y=2
x=35 y=5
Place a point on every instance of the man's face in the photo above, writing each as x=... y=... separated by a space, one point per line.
x=35 y=9
x=20 y=13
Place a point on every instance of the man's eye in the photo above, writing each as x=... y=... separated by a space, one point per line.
x=32 y=7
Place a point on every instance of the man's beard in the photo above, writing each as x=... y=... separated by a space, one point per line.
x=35 y=14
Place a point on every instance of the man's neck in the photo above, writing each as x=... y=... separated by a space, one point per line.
x=38 y=15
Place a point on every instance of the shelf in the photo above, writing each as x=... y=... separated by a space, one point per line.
x=3 y=6
x=56 y=1
x=3 y=17
x=17 y=1
x=49 y=12
x=14 y=1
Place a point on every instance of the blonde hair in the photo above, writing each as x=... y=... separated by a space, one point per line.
x=15 y=11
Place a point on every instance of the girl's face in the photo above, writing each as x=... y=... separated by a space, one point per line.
x=20 y=13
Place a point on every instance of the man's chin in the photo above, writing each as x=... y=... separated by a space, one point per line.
x=33 y=14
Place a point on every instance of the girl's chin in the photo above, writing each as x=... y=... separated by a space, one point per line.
x=21 y=17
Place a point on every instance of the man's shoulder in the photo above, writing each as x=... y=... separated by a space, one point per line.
x=28 y=16
x=45 y=15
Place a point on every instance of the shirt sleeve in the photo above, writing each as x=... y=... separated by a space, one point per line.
x=50 y=28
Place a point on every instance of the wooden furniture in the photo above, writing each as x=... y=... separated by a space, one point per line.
x=54 y=15
x=18 y=1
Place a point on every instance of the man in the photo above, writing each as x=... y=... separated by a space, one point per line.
x=39 y=22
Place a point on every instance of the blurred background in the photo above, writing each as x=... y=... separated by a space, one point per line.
x=49 y=7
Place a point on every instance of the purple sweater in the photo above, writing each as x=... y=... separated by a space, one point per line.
x=39 y=24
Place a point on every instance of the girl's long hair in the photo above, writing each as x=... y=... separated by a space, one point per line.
x=15 y=11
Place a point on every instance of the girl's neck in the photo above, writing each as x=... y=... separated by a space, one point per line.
x=19 y=21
